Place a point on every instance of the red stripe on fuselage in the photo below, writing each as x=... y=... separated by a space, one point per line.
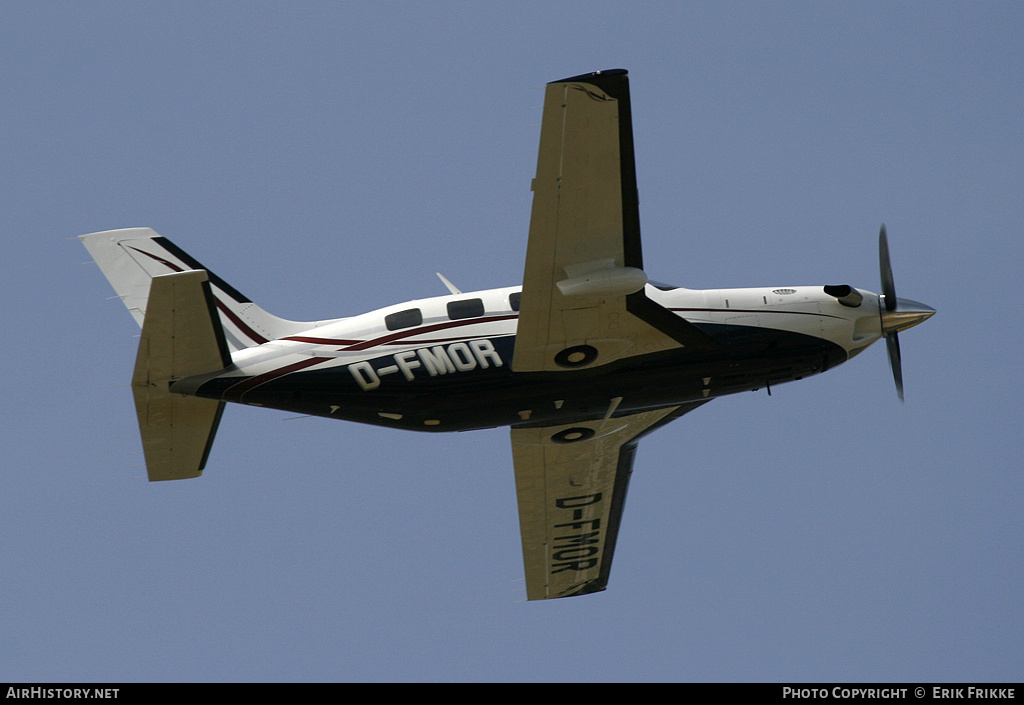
x=320 y=341
x=253 y=335
x=392 y=337
x=235 y=392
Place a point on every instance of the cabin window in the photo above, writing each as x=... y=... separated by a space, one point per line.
x=404 y=319
x=468 y=308
x=513 y=299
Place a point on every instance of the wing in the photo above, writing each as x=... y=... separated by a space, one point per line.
x=583 y=302
x=571 y=482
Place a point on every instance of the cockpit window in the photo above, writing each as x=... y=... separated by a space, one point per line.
x=404 y=319
x=468 y=308
x=513 y=299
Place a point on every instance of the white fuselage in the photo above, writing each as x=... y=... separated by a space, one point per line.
x=805 y=310
x=457 y=350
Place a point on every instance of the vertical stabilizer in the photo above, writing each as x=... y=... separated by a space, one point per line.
x=130 y=258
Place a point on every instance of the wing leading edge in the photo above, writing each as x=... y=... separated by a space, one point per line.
x=571 y=482
x=583 y=302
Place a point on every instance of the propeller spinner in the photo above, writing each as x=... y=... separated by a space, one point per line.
x=897 y=314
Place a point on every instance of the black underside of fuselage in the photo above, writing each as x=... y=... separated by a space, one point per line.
x=487 y=396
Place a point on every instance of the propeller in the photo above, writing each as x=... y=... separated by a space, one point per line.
x=896 y=314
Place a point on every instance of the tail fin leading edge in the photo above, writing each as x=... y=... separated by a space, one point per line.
x=130 y=258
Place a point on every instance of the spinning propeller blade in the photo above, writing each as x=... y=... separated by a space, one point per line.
x=896 y=314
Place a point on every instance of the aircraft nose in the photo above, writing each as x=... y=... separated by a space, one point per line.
x=907 y=314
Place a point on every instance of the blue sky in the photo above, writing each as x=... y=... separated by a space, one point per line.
x=328 y=158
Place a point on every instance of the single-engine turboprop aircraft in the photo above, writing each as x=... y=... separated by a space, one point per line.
x=581 y=361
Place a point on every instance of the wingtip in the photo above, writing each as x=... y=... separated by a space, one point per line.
x=590 y=77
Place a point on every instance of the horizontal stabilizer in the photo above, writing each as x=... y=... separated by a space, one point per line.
x=181 y=337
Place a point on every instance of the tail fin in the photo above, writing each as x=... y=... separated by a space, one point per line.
x=181 y=337
x=130 y=258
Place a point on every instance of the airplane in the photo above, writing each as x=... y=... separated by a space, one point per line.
x=581 y=361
